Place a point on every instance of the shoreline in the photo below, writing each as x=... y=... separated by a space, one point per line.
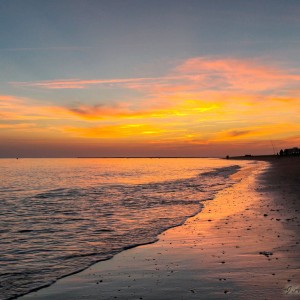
x=199 y=258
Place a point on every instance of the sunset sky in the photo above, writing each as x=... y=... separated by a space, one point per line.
x=148 y=78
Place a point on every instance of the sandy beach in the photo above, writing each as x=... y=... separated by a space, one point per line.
x=244 y=244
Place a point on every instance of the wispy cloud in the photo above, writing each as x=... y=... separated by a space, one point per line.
x=21 y=49
x=195 y=74
x=17 y=126
x=22 y=108
x=82 y=84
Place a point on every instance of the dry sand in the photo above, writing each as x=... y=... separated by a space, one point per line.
x=244 y=244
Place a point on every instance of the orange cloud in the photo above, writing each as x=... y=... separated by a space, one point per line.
x=262 y=132
x=122 y=110
x=21 y=108
x=200 y=101
x=120 y=132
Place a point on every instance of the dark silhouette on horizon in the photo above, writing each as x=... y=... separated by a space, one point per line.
x=290 y=152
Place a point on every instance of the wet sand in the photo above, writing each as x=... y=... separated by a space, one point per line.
x=244 y=244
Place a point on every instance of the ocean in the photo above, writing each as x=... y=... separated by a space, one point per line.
x=59 y=216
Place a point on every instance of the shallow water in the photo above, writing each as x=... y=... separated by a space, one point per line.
x=59 y=216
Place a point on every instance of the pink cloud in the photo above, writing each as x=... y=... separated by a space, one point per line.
x=193 y=75
x=237 y=74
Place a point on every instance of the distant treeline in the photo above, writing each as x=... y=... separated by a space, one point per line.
x=290 y=152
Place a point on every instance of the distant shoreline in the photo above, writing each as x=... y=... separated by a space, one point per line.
x=261 y=157
x=145 y=157
x=269 y=158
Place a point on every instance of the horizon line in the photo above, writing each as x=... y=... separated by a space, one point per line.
x=153 y=157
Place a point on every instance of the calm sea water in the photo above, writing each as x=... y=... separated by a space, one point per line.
x=58 y=216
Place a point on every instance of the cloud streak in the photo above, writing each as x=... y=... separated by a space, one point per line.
x=83 y=84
